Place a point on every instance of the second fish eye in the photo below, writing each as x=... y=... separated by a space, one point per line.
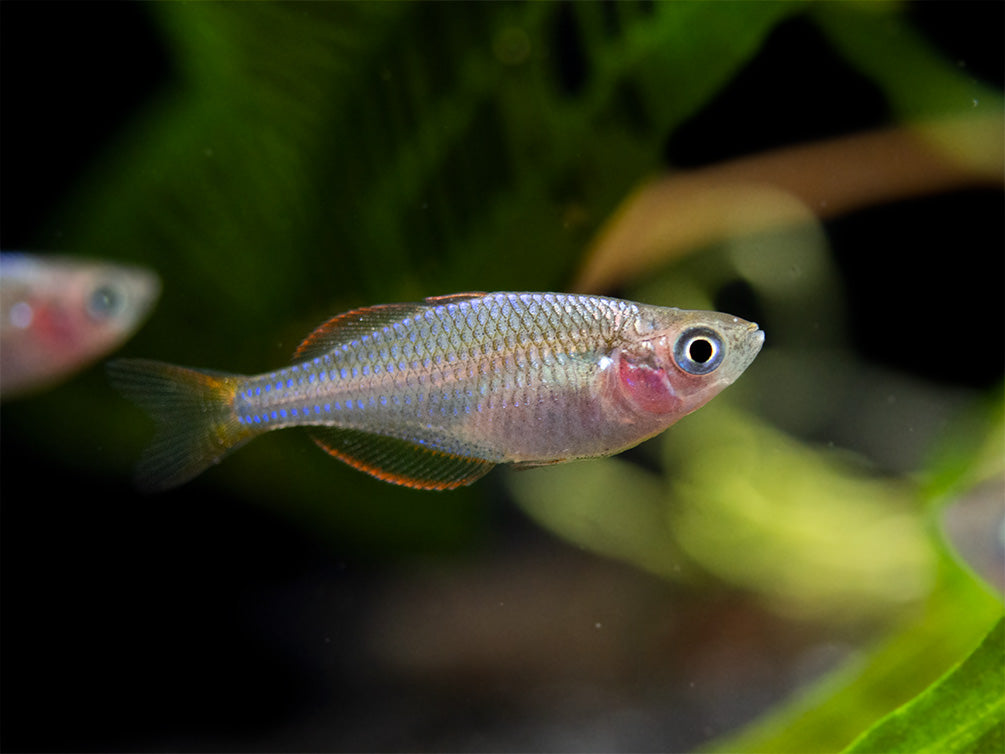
x=105 y=301
x=699 y=350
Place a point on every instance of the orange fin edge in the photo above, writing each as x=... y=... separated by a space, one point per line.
x=398 y=461
x=453 y=298
x=362 y=321
x=352 y=324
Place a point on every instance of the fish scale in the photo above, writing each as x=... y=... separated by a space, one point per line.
x=433 y=394
x=435 y=347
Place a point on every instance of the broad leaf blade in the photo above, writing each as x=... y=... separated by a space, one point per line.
x=964 y=711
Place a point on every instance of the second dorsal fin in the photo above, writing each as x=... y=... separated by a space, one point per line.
x=359 y=322
x=353 y=324
x=453 y=298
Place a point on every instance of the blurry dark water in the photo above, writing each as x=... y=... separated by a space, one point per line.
x=949 y=245
x=194 y=621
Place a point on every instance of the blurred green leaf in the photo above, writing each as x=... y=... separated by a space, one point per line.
x=874 y=38
x=575 y=500
x=310 y=157
x=964 y=711
x=971 y=450
x=956 y=614
x=809 y=530
x=830 y=714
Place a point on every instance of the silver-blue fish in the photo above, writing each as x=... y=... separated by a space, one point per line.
x=434 y=394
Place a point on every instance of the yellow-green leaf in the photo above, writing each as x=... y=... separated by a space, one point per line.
x=964 y=711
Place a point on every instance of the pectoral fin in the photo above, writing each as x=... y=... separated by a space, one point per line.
x=524 y=465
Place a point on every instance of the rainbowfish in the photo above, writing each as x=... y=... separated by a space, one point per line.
x=433 y=394
x=60 y=313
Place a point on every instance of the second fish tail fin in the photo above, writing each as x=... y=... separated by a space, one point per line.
x=194 y=411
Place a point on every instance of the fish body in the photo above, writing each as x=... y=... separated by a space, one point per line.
x=59 y=314
x=433 y=394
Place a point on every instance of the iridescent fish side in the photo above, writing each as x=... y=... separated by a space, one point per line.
x=432 y=395
x=58 y=314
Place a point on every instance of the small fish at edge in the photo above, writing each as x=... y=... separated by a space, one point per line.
x=60 y=313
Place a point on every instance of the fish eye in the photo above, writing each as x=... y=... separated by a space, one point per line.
x=105 y=301
x=698 y=350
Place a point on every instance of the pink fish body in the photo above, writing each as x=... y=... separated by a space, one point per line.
x=433 y=394
x=60 y=313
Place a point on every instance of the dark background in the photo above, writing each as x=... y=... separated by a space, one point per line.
x=196 y=621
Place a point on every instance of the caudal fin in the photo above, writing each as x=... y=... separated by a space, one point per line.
x=196 y=423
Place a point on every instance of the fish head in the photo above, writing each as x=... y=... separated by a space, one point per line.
x=61 y=313
x=670 y=362
x=81 y=309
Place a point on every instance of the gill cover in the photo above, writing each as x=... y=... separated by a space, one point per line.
x=650 y=386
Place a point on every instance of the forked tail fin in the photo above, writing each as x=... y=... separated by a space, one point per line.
x=196 y=423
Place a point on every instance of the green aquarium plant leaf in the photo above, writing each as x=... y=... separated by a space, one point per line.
x=306 y=158
x=961 y=713
x=896 y=57
x=575 y=500
x=829 y=714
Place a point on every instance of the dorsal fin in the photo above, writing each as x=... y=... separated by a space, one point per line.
x=453 y=298
x=353 y=324
x=400 y=461
x=358 y=322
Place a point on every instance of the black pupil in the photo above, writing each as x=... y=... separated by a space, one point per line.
x=700 y=350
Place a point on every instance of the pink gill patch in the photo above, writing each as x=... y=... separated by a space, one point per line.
x=647 y=387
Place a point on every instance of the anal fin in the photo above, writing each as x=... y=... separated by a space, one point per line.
x=400 y=461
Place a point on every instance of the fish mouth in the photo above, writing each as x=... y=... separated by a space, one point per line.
x=756 y=331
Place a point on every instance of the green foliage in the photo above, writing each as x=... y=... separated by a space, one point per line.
x=956 y=614
x=964 y=711
x=309 y=157
x=832 y=713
